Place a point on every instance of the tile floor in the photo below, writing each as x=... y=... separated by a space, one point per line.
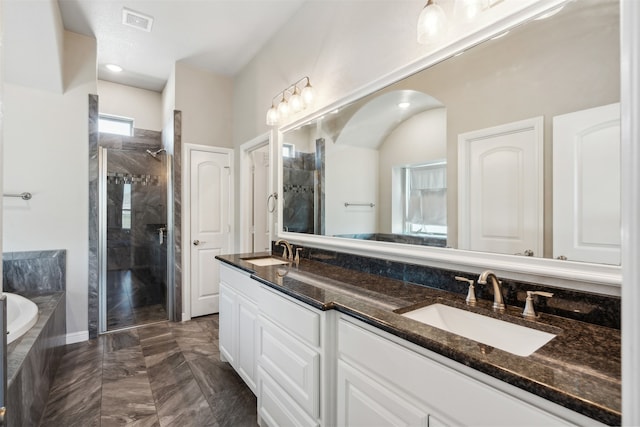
x=165 y=374
x=134 y=298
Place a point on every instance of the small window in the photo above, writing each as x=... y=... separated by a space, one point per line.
x=126 y=207
x=116 y=125
x=288 y=150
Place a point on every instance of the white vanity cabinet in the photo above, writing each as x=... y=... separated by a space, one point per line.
x=382 y=380
x=238 y=322
x=295 y=360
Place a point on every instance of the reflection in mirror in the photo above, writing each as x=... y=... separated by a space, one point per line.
x=511 y=147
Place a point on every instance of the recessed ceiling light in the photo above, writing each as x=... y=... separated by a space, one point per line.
x=113 y=67
x=404 y=105
x=136 y=20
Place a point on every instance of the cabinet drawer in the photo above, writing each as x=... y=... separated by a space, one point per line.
x=291 y=364
x=239 y=281
x=276 y=408
x=291 y=316
x=465 y=399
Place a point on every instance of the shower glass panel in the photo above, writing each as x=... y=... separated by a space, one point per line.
x=134 y=234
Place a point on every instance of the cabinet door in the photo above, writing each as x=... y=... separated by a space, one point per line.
x=227 y=321
x=246 y=338
x=364 y=402
x=275 y=406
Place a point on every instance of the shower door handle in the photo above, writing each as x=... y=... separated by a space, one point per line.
x=197 y=242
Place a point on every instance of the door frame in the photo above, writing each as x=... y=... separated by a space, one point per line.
x=186 y=217
x=245 y=187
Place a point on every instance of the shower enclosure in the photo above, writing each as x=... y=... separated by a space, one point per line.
x=133 y=236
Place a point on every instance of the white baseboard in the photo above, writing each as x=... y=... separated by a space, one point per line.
x=77 y=337
x=185 y=317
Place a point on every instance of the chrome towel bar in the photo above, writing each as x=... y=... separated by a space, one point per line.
x=347 y=204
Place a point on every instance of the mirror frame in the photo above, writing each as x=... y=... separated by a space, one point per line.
x=589 y=277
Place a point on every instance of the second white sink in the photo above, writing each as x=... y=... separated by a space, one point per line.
x=266 y=261
x=515 y=339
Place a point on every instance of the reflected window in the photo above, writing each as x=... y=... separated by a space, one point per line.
x=126 y=207
x=425 y=199
x=288 y=150
x=116 y=125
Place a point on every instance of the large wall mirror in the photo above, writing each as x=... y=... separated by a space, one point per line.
x=509 y=147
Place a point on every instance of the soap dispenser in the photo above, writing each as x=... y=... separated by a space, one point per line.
x=529 y=312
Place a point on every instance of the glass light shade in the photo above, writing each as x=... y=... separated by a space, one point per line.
x=307 y=94
x=295 y=101
x=432 y=23
x=272 y=116
x=470 y=9
x=283 y=109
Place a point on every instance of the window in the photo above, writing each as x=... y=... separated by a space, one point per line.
x=126 y=207
x=425 y=199
x=115 y=124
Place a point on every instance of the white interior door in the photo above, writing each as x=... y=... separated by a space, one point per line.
x=500 y=176
x=209 y=226
x=586 y=185
x=260 y=178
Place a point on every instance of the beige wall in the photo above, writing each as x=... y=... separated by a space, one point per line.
x=46 y=153
x=144 y=106
x=205 y=101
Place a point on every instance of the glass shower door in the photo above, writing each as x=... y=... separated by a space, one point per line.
x=134 y=238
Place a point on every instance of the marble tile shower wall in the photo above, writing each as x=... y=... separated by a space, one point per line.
x=583 y=306
x=130 y=245
x=34 y=271
x=299 y=181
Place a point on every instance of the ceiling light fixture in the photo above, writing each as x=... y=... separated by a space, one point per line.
x=113 y=67
x=292 y=100
x=432 y=23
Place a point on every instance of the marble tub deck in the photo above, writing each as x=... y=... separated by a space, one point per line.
x=165 y=374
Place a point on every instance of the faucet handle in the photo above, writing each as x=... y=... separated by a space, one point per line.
x=471 y=294
x=529 y=311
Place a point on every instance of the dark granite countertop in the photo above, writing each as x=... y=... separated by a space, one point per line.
x=579 y=369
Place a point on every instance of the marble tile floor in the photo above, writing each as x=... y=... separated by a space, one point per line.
x=133 y=298
x=164 y=374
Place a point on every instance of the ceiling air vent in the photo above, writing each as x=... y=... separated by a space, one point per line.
x=136 y=20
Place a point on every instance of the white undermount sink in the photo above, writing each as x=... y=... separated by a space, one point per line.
x=515 y=339
x=261 y=262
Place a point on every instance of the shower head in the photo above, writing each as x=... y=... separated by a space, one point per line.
x=154 y=154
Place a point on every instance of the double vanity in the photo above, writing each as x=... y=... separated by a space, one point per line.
x=324 y=345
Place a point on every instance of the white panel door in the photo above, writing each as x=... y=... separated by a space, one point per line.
x=500 y=174
x=209 y=225
x=586 y=185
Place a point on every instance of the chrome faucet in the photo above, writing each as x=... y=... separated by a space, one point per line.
x=288 y=251
x=498 y=302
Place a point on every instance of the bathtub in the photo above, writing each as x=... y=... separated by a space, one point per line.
x=22 y=314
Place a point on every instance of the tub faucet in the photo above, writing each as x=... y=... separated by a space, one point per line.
x=498 y=302
x=288 y=251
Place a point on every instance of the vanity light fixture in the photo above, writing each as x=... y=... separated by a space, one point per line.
x=432 y=23
x=292 y=100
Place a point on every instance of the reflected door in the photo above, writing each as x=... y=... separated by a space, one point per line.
x=501 y=188
x=586 y=185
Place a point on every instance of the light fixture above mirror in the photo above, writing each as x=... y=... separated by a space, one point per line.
x=292 y=101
